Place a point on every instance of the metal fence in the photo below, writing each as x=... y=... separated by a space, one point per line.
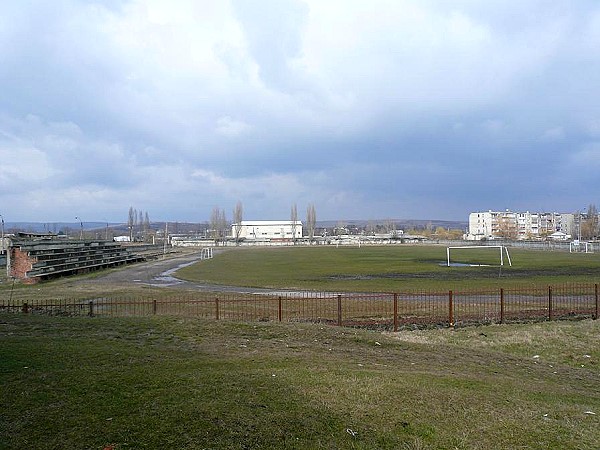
x=391 y=311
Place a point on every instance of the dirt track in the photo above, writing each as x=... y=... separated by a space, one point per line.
x=150 y=272
x=159 y=273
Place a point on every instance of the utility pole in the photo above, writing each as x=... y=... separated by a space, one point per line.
x=2 y=218
x=165 y=240
x=80 y=228
x=5 y=251
x=579 y=227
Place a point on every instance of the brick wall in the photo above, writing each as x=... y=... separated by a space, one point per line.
x=20 y=264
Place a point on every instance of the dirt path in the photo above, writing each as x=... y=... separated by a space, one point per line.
x=159 y=273
x=156 y=272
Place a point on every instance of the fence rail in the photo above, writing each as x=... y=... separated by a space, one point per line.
x=386 y=311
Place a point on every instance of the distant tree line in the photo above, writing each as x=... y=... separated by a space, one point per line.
x=219 y=227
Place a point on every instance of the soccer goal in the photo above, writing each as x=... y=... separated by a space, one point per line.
x=483 y=255
x=580 y=247
x=206 y=253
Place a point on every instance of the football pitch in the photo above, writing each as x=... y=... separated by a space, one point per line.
x=390 y=268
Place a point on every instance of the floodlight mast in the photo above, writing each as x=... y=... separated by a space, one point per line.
x=80 y=228
x=2 y=218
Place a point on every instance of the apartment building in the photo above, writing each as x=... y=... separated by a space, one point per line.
x=520 y=225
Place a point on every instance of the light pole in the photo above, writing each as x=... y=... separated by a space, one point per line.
x=80 y=228
x=2 y=219
x=579 y=225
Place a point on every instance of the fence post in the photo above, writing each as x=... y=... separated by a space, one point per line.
x=91 y=304
x=279 y=309
x=550 y=309
x=501 y=305
x=450 y=309
x=217 y=307
x=154 y=306
x=25 y=308
x=339 y=314
x=596 y=297
x=395 y=311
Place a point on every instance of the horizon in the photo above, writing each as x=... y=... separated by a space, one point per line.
x=100 y=222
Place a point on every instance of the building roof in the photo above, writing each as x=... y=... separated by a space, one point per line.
x=258 y=223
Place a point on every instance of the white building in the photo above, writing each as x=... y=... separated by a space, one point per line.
x=518 y=225
x=266 y=230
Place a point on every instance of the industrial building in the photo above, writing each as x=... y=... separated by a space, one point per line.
x=267 y=230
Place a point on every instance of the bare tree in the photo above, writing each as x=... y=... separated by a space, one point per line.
x=130 y=222
x=135 y=224
x=340 y=228
x=441 y=233
x=589 y=223
x=218 y=223
x=371 y=227
x=214 y=222
x=238 y=213
x=146 y=224
x=594 y=219
x=311 y=221
x=391 y=228
x=141 y=222
x=507 y=227
x=294 y=219
x=223 y=225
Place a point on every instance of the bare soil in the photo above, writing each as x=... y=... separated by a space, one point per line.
x=160 y=273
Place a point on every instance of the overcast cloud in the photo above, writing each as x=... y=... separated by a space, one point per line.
x=370 y=110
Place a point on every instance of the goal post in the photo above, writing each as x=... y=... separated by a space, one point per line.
x=501 y=249
x=580 y=247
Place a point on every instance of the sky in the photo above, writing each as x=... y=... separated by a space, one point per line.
x=423 y=109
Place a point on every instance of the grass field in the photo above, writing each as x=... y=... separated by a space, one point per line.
x=401 y=268
x=389 y=269
x=87 y=383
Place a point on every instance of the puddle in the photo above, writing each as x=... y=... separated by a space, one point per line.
x=166 y=278
x=445 y=264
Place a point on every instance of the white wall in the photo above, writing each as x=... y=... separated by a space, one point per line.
x=263 y=230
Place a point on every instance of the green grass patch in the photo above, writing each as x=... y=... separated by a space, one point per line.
x=387 y=269
x=193 y=384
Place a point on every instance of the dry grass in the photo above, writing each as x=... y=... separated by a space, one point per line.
x=564 y=342
x=189 y=383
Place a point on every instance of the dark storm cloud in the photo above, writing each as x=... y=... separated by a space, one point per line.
x=366 y=109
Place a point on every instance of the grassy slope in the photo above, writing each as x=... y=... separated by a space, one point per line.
x=172 y=383
x=396 y=268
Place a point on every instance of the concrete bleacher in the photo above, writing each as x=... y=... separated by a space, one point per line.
x=35 y=260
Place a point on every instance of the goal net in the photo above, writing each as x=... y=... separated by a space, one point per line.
x=478 y=255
